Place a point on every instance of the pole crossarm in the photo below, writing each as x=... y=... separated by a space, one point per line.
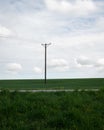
x=46 y=44
x=45 y=72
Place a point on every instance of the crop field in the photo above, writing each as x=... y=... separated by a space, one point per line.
x=52 y=111
x=53 y=84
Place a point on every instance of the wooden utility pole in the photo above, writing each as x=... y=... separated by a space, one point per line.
x=45 y=66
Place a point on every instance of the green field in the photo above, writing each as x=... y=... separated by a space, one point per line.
x=53 y=84
x=52 y=111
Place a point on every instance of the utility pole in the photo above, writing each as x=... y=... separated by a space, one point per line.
x=45 y=66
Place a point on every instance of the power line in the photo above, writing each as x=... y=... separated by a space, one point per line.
x=45 y=69
x=18 y=38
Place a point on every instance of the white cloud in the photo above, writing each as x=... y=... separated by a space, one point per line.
x=59 y=64
x=83 y=61
x=4 y=31
x=100 y=23
x=62 y=69
x=37 y=70
x=100 y=64
x=87 y=62
x=79 y=7
x=14 y=67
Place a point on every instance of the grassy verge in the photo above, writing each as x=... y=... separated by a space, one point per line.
x=52 y=111
x=53 y=84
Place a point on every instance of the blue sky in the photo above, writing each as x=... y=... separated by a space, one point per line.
x=75 y=29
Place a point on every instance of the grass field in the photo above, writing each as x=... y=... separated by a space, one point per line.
x=53 y=84
x=52 y=111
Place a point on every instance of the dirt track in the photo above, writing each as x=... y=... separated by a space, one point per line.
x=54 y=90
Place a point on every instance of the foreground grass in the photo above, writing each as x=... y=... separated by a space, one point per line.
x=52 y=111
x=53 y=84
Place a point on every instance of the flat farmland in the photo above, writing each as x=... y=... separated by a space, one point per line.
x=94 y=83
x=52 y=111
